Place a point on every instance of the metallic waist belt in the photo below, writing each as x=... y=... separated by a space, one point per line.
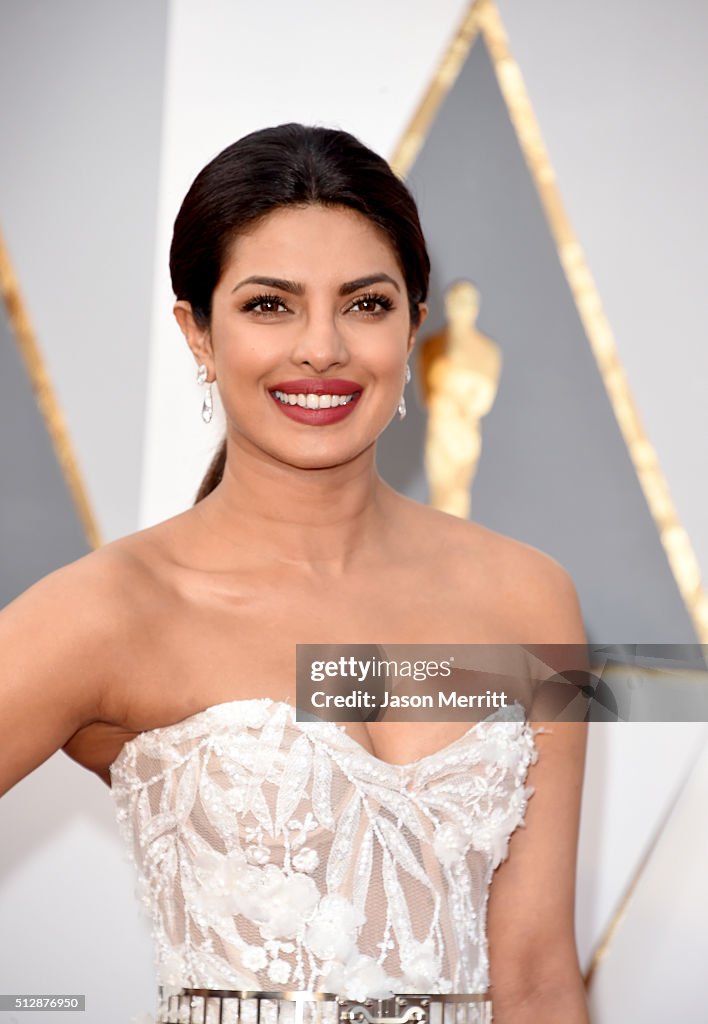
x=223 y=1006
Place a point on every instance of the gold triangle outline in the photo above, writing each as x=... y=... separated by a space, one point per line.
x=47 y=402
x=482 y=16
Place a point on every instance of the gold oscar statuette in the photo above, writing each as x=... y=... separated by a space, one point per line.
x=458 y=370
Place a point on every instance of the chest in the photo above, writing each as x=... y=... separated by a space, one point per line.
x=249 y=636
x=204 y=646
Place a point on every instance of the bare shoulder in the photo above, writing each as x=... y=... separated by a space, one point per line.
x=121 y=588
x=85 y=591
x=537 y=590
x=53 y=637
x=136 y=566
x=86 y=605
x=97 y=590
x=534 y=593
x=64 y=641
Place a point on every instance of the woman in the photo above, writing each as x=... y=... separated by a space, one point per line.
x=277 y=855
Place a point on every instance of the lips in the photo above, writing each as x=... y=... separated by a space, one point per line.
x=317 y=403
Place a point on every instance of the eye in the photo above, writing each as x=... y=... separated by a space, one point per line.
x=264 y=305
x=368 y=304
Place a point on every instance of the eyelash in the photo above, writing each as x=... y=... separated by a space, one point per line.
x=383 y=300
x=251 y=304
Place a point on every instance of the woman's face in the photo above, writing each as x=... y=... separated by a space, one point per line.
x=309 y=335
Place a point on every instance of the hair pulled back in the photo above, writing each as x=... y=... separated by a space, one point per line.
x=291 y=164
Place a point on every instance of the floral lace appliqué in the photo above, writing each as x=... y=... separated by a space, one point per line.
x=272 y=853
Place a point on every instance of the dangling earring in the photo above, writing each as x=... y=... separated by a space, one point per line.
x=402 y=403
x=207 y=407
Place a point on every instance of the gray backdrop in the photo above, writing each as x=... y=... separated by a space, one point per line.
x=554 y=470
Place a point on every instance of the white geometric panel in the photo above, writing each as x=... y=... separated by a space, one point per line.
x=655 y=967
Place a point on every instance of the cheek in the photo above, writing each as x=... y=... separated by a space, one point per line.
x=240 y=353
x=382 y=350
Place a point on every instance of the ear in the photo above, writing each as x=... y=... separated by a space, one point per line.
x=422 y=315
x=198 y=338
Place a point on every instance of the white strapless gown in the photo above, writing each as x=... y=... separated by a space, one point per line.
x=276 y=854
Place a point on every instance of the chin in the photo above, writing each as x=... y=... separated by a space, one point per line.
x=323 y=461
x=323 y=458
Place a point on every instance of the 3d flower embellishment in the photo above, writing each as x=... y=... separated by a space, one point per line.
x=500 y=751
x=449 y=843
x=331 y=933
x=254 y=958
x=258 y=854
x=277 y=902
x=253 y=716
x=421 y=966
x=306 y=860
x=279 y=971
x=361 y=977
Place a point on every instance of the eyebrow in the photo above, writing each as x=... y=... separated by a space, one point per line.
x=295 y=288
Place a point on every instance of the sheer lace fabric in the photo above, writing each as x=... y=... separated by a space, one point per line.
x=275 y=854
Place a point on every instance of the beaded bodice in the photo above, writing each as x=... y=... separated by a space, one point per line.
x=276 y=854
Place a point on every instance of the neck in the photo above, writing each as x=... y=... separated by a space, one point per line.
x=320 y=521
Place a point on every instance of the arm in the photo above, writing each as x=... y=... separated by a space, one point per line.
x=56 y=656
x=535 y=971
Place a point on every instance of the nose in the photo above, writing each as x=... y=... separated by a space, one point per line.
x=320 y=344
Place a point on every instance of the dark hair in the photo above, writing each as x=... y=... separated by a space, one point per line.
x=291 y=164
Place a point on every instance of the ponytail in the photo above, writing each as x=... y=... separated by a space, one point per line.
x=214 y=473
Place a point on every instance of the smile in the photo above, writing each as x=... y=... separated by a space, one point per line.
x=311 y=401
x=315 y=410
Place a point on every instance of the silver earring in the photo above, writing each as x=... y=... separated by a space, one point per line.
x=207 y=407
x=402 y=403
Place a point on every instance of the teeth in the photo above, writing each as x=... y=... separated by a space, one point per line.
x=310 y=401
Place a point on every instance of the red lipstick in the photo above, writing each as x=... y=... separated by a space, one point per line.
x=318 y=417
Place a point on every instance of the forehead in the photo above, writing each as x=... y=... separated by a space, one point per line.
x=314 y=241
